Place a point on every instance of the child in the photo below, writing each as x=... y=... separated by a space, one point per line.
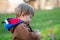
x=19 y=26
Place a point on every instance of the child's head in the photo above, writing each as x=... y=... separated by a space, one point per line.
x=24 y=12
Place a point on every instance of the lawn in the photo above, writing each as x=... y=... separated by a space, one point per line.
x=46 y=21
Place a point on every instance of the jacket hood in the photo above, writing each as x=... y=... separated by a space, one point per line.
x=11 y=22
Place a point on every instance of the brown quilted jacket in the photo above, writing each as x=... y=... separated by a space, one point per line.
x=21 y=32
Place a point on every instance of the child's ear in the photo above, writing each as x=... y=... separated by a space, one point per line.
x=23 y=14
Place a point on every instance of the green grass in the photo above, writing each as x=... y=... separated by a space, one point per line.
x=42 y=21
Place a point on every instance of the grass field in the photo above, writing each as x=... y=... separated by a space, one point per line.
x=46 y=21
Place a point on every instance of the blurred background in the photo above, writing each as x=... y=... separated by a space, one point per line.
x=46 y=19
x=10 y=5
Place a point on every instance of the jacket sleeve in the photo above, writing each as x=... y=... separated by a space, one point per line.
x=35 y=35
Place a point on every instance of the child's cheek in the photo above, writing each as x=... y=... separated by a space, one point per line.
x=29 y=19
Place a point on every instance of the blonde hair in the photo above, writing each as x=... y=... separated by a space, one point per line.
x=26 y=8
